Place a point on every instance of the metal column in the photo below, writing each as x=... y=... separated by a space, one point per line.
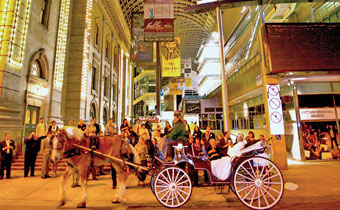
x=225 y=103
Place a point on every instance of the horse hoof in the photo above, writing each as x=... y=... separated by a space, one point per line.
x=81 y=205
x=115 y=200
x=61 y=203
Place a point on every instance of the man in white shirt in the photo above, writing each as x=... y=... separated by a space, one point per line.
x=41 y=130
x=137 y=127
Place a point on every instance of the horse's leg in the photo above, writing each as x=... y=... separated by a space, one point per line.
x=62 y=194
x=83 y=170
x=122 y=175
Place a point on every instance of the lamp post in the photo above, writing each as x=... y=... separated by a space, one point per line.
x=225 y=103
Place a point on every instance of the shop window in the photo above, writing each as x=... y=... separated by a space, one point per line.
x=45 y=12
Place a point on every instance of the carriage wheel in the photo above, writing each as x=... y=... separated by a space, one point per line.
x=172 y=187
x=258 y=183
x=152 y=182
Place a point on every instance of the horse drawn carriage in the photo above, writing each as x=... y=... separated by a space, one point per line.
x=256 y=181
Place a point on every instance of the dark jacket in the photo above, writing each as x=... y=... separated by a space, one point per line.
x=82 y=127
x=3 y=145
x=97 y=128
x=32 y=145
x=197 y=134
x=211 y=135
x=177 y=132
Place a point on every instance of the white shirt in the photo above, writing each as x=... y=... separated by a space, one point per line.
x=41 y=129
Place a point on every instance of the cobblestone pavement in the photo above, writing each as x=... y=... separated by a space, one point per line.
x=319 y=188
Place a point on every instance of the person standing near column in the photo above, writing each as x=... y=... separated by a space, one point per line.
x=31 y=153
x=46 y=152
x=41 y=129
x=7 y=146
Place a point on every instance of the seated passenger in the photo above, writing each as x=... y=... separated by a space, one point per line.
x=236 y=149
x=213 y=150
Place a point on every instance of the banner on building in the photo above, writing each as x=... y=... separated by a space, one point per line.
x=188 y=82
x=140 y=50
x=173 y=85
x=170 y=58
x=158 y=20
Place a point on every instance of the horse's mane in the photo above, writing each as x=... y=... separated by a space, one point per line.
x=73 y=133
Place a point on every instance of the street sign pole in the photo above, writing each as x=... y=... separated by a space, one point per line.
x=225 y=103
x=158 y=80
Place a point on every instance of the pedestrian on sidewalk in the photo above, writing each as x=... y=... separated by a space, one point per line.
x=31 y=152
x=7 y=146
x=41 y=129
x=46 y=147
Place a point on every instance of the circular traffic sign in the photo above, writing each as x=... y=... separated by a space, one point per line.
x=276 y=117
x=274 y=103
x=273 y=90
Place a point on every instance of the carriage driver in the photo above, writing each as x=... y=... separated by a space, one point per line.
x=177 y=134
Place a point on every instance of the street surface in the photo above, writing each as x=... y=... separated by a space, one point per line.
x=319 y=188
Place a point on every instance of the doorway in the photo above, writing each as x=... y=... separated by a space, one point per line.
x=32 y=116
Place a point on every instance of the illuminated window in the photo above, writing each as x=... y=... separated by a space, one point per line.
x=36 y=69
x=45 y=12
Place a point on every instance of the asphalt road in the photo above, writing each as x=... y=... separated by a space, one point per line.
x=319 y=188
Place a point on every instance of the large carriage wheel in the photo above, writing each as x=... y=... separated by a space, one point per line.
x=258 y=183
x=172 y=187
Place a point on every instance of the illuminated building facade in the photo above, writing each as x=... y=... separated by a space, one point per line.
x=62 y=60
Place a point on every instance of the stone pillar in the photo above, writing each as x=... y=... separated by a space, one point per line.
x=59 y=64
x=78 y=60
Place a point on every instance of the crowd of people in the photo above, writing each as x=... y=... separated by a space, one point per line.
x=144 y=137
x=321 y=140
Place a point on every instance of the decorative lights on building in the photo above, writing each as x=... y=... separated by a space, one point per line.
x=19 y=33
x=3 y=18
x=61 y=42
x=86 y=50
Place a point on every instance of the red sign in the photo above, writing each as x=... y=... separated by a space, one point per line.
x=158 y=25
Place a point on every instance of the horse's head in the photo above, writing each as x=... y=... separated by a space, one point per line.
x=68 y=136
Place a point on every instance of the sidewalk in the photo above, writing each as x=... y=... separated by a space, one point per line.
x=319 y=188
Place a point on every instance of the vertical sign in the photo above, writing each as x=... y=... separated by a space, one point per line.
x=170 y=58
x=275 y=110
x=158 y=20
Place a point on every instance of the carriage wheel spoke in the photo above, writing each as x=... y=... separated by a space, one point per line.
x=268 y=171
x=163 y=182
x=272 y=197
x=249 y=178
x=271 y=177
x=175 y=180
x=164 y=194
x=166 y=179
x=183 y=191
x=264 y=196
x=253 y=178
x=167 y=199
x=180 y=195
x=257 y=168
x=246 y=188
x=162 y=190
x=183 y=186
x=248 y=192
x=272 y=189
x=173 y=175
x=172 y=200
x=170 y=178
x=176 y=196
x=259 y=198
x=262 y=172
x=183 y=182
x=244 y=182
x=252 y=168
x=252 y=198
x=180 y=178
